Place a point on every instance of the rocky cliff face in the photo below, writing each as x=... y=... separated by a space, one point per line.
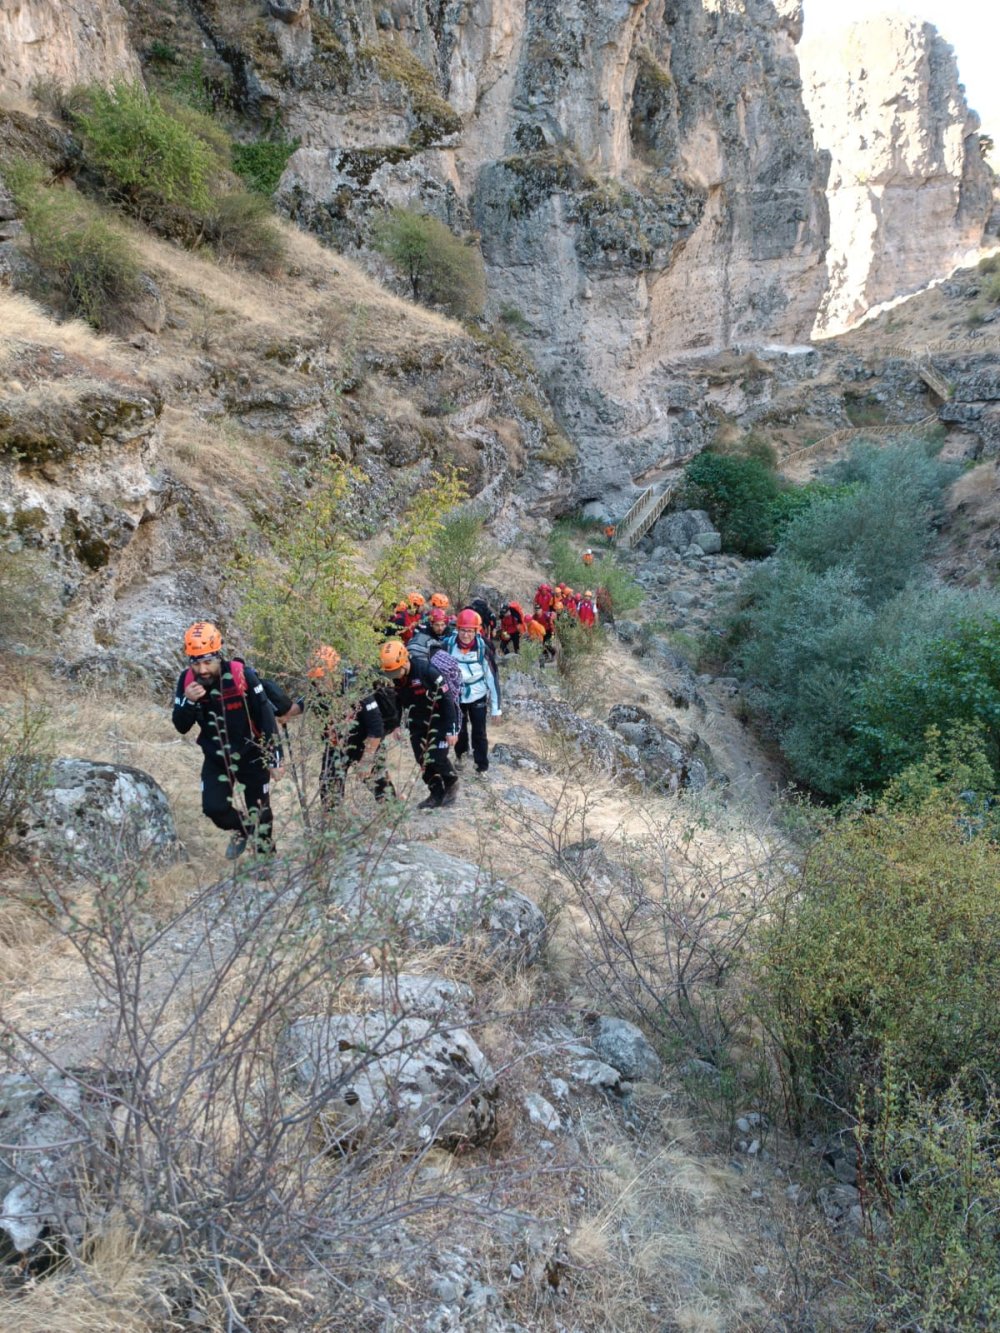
x=641 y=175
x=63 y=42
x=909 y=191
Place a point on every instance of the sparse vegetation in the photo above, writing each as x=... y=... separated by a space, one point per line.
x=85 y=265
x=440 y=268
x=261 y=163
x=461 y=557
x=25 y=755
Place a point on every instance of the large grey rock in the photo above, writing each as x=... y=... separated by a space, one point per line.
x=683 y=529
x=44 y=1127
x=439 y=899
x=422 y=996
x=667 y=762
x=621 y=1045
x=94 y=816
x=429 y=1085
x=594 y=742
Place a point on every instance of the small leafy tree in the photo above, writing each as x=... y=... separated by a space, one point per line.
x=315 y=585
x=85 y=265
x=149 y=158
x=739 y=495
x=461 y=557
x=440 y=267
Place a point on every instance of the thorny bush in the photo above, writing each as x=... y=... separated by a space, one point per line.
x=228 y=1174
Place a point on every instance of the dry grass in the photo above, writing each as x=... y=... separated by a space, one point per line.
x=23 y=324
x=114 y=1290
x=224 y=463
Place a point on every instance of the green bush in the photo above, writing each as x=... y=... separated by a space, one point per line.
x=460 y=558
x=949 y=675
x=740 y=495
x=241 y=226
x=933 y=1172
x=85 y=266
x=888 y=951
x=441 y=268
x=149 y=159
x=260 y=164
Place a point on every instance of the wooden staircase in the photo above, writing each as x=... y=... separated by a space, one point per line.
x=644 y=513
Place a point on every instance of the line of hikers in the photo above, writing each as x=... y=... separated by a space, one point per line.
x=438 y=677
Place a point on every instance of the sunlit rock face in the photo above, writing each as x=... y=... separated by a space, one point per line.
x=63 y=42
x=909 y=191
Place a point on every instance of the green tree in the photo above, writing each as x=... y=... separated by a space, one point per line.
x=441 y=268
x=460 y=557
x=148 y=157
x=316 y=585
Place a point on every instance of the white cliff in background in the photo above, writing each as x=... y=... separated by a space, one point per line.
x=909 y=192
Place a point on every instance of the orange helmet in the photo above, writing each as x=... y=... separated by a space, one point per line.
x=324 y=659
x=402 y=606
x=559 y=605
x=393 y=657
x=439 y=599
x=468 y=619
x=415 y=599
x=203 y=637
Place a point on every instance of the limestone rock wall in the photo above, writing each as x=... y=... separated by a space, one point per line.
x=63 y=42
x=909 y=191
x=640 y=173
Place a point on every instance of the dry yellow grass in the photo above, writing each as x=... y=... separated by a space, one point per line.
x=24 y=324
x=115 y=1290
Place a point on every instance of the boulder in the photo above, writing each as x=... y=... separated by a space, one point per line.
x=683 y=529
x=438 y=899
x=423 y=997
x=94 y=815
x=515 y=756
x=429 y=1085
x=594 y=742
x=621 y=1045
x=667 y=762
x=44 y=1125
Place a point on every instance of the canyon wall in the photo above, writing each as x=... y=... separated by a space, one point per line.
x=909 y=191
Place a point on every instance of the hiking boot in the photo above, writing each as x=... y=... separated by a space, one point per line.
x=237 y=846
x=432 y=802
x=481 y=772
x=450 y=794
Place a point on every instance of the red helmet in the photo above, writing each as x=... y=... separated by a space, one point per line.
x=468 y=619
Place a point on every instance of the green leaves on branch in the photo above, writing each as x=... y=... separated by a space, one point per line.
x=317 y=585
x=441 y=268
x=460 y=557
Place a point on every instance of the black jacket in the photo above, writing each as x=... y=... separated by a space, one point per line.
x=230 y=720
x=424 y=692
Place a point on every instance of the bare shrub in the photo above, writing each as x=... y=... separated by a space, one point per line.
x=183 y=1123
x=24 y=767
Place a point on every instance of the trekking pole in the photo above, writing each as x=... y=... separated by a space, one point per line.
x=299 y=790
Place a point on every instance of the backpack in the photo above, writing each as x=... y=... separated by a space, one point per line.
x=234 y=692
x=445 y=665
x=485 y=613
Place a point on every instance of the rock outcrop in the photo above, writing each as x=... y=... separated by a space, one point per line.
x=64 y=42
x=909 y=192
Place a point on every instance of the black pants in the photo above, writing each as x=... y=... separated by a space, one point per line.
x=337 y=759
x=474 y=718
x=430 y=750
x=511 y=645
x=220 y=803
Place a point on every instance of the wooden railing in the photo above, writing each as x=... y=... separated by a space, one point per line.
x=644 y=513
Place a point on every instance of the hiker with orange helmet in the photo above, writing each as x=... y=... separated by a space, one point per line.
x=479 y=686
x=430 y=704
x=238 y=737
x=588 y=557
x=355 y=725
